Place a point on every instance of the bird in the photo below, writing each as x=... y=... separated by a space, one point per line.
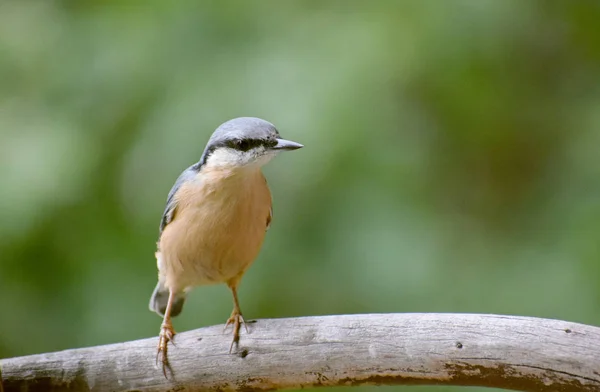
x=215 y=220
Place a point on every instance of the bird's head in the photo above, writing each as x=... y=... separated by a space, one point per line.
x=244 y=142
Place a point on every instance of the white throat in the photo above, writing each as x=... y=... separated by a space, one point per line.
x=230 y=158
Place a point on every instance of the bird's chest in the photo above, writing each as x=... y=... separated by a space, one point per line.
x=218 y=229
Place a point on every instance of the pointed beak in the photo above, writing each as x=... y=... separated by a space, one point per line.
x=286 y=145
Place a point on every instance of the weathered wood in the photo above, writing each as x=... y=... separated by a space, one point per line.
x=518 y=353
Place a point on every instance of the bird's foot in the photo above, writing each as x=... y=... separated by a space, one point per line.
x=236 y=320
x=167 y=333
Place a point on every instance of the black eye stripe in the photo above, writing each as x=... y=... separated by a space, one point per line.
x=238 y=144
x=248 y=144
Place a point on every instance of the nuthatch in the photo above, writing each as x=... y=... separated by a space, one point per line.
x=215 y=220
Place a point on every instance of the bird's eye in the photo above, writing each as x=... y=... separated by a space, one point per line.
x=243 y=145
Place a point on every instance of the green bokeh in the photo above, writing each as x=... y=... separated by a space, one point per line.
x=451 y=160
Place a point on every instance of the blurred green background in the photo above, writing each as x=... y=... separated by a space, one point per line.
x=451 y=161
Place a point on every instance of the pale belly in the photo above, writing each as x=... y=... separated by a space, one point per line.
x=215 y=239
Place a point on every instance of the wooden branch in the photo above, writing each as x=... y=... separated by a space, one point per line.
x=517 y=353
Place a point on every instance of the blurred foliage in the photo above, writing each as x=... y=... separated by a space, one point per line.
x=451 y=160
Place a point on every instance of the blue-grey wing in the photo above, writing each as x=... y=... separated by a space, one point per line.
x=169 y=213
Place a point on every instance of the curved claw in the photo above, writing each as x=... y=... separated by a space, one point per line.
x=166 y=335
x=236 y=320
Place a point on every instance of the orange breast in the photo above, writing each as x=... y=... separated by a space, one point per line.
x=218 y=229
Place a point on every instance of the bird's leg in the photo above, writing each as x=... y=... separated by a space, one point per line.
x=167 y=333
x=236 y=318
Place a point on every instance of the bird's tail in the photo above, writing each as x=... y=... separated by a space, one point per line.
x=160 y=298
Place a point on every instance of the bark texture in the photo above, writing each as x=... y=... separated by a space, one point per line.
x=515 y=353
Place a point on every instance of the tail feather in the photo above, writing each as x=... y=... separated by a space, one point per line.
x=160 y=298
